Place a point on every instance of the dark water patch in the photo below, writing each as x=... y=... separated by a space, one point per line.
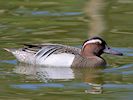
x=125 y=1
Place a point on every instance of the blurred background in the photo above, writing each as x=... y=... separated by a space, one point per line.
x=68 y=22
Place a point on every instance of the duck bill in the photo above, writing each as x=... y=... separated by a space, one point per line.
x=111 y=51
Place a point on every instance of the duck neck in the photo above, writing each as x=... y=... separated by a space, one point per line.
x=87 y=52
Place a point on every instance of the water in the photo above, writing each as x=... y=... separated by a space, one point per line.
x=70 y=23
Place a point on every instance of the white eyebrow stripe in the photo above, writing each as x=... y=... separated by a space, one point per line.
x=93 y=41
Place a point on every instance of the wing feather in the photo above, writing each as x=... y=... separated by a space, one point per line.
x=48 y=49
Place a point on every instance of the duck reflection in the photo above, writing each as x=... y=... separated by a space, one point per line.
x=45 y=73
x=90 y=76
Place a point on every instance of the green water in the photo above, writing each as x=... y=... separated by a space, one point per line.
x=67 y=22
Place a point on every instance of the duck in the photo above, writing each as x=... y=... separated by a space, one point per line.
x=58 y=55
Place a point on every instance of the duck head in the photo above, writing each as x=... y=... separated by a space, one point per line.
x=96 y=46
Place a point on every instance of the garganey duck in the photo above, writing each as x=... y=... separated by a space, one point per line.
x=57 y=55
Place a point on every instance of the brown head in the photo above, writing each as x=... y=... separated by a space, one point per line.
x=95 y=47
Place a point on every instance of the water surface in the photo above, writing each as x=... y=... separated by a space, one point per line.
x=70 y=23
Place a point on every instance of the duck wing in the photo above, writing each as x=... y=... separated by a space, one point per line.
x=48 y=49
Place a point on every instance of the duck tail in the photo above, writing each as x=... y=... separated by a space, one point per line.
x=9 y=50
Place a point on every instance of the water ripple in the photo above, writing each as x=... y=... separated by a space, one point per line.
x=56 y=14
x=116 y=86
x=36 y=86
x=47 y=13
x=125 y=51
x=14 y=62
x=119 y=68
